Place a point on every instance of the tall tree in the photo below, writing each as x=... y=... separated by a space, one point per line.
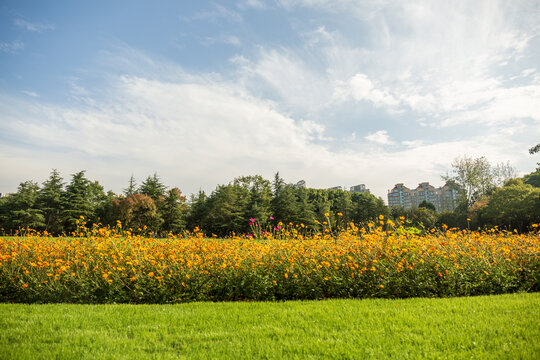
x=153 y=187
x=198 y=210
x=284 y=206
x=174 y=211
x=80 y=199
x=516 y=206
x=138 y=211
x=50 y=202
x=23 y=208
x=132 y=187
x=255 y=198
x=476 y=177
x=225 y=212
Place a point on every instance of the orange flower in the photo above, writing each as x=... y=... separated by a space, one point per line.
x=24 y=286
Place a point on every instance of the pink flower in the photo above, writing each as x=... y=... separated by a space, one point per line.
x=251 y=235
x=250 y=223
x=271 y=218
x=252 y=220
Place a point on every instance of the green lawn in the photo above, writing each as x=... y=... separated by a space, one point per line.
x=501 y=327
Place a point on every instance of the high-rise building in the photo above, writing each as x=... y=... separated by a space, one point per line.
x=443 y=198
x=359 y=188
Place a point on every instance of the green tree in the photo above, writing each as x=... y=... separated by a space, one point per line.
x=108 y=211
x=255 y=195
x=198 y=210
x=533 y=178
x=138 y=211
x=50 y=202
x=283 y=206
x=81 y=198
x=153 y=187
x=305 y=209
x=132 y=187
x=515 y=206
x=22 y=207
x=367 y=207
x=477 y=177
x=225 y=212
x=427 y=205
x=174 y=211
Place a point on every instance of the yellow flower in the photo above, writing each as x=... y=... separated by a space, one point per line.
x=381 y=217
x=326 y=214
x=151 y=274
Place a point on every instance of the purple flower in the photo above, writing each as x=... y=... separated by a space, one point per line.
x=250 y=235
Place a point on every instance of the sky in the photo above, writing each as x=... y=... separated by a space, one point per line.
x=333 y=92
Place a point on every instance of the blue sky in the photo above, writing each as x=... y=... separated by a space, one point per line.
x=335 y=92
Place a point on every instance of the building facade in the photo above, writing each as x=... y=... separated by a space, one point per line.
x=444 y=198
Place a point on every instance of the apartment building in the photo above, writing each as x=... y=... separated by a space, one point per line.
x=444 y=198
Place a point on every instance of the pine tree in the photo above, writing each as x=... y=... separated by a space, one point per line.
x=174 y=211
x=50 y=202
x=132 y=187
x=153 y=187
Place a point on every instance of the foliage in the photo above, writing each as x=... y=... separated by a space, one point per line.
x=427 y=205
x=50 y=202
x=132 y=187
x=174 y=211
x=21 y=209
x=533 y=178
x=152 y=187
x=514 y=206
x=139 y=211
x=81 y=198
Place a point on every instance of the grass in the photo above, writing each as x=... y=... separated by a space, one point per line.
x=485 y=327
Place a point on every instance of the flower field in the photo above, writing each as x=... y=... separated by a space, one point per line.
x=381 y=260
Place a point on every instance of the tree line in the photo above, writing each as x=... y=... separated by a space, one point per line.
x=57 y=207
x=488 y=196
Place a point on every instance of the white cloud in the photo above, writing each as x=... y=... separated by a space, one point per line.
x=34 y=27
x=11 y=47
x=256 y=4
x=380 y=137
x=216 y=13
x=360 y=87
x=30 y=93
